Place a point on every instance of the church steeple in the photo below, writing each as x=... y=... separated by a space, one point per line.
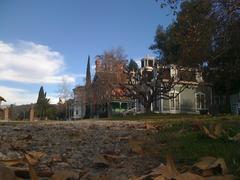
x=88 y=73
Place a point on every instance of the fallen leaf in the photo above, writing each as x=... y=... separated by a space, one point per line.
x=218 y=130
x=205 y=162
x=32 y=172
x=215 y=131
x=28 y=137
x=136 y=147
x=6 y=173
x=149 y=126
x=235 y=138
x=208 y=133
x=13 y=162
x=111 y=157
x=211 y=166
x=168 y=171
x=100 y=162
x=63 y=175
x=189 y=176
x=226 y=177
x=34 y=157
x=220 y=162
x=171 y=166
x=159 y=178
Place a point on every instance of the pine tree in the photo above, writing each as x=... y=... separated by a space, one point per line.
x=88 y=89
x=132 y=66
x=42 y=104
x=88 y=73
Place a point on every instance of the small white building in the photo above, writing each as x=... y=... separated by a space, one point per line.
x=79 y=104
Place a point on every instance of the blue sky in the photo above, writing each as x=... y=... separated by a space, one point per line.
x=42 y=41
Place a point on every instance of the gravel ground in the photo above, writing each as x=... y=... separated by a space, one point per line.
x=97 y=149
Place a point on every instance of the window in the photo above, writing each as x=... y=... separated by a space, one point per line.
x=200 y=100
x=150 y=63
x=216 y=100
x=174 y=102
x=76 y=112
x=142 y=63
x=224 y=100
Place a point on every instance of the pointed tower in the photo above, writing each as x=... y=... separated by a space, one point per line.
x=88 y=73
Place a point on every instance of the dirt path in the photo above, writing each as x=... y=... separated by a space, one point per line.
x=109 y=149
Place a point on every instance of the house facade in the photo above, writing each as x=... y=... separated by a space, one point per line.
x=195 y=99
x=101 y=98
x=235 y=103
x=79 y=102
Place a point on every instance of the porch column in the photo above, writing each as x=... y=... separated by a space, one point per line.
x=31 y=117
x=6 y=114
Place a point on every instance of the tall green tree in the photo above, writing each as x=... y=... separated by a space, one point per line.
x=42 y=104
x=132 y=66
x=204 y=31
x=188 y=40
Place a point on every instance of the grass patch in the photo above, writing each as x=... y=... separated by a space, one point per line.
x=184 y=117
x=188 y=145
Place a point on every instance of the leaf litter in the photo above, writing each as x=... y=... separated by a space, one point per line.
x=95 y=151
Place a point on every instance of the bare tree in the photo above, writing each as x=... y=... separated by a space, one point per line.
x=65 y=94
x=149 y=86
x=109 y=74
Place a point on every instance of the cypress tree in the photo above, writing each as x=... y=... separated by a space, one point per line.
x=42 y=103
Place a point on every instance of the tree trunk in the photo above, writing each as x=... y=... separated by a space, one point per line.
x=147 y=107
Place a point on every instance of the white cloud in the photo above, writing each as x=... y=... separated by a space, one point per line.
x=21 y=96
x=28 y=62
x=17 y=96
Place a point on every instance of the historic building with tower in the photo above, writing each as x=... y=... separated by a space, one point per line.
x=102 y=96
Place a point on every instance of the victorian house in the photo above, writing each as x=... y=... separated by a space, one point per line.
x=195 y=99
x=102 y=96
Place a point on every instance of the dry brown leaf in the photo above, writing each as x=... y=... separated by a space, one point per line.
x=235 y=138
x=111 y=157
x=6 y=173
x=124 y=138
x=218 y=130
x=159 y=178
x=211 y=165
x=220 y=162
x=141 y=177
x=149 y=126
x=13 y=162
x=208 y=133
x=157 y=171
x=63 y=175
x=136 y=147
x=215 y=131
x=32 y=172
x=168 y=171
x=205 y=162
x=226 y=177
x=100 y=162
x=34 y=157
x=189 y=176
x=171 y=165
